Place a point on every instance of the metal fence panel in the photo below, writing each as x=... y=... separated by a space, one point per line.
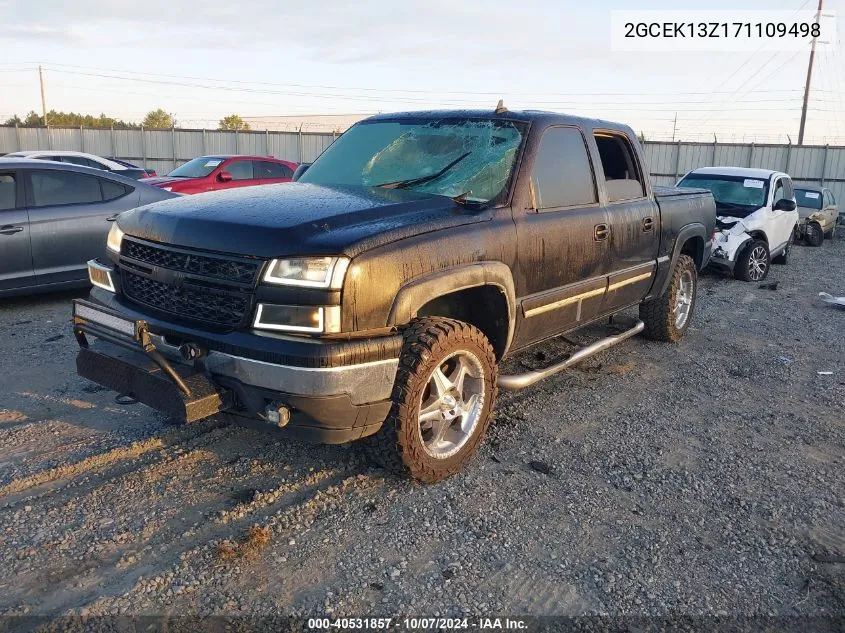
x=9 y=140
x=128 y=145
x=284 y=145
x=807 y=162
x=769 y=157
x=94 y=142
x=188 y=145
x=220 y=143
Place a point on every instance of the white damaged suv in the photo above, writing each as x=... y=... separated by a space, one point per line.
x=756 y=217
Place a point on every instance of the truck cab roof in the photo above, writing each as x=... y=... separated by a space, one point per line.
x=542 y=117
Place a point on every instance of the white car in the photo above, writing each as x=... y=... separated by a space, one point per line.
x=75 y=158
x=756 y=220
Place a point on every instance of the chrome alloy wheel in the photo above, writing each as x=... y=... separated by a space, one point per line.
x=683 y=299
x=758 y=262
x=451 y=404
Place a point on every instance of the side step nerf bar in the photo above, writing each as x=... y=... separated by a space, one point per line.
x=515 y=382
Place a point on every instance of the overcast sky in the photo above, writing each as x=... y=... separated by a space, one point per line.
x=204 y=60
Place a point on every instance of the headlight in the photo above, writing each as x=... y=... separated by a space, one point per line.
x=308 y=272
x=305 y=319
x=115 y=238
x=168 y=188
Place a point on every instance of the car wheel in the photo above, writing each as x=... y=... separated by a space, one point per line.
x=783 y=258
x=442 y=400
x=813 y=234
x=668 y=316
x=753 y=263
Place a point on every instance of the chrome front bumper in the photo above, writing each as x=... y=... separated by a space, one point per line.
x=363 y=383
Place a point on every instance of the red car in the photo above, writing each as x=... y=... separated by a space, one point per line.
x=210 y=173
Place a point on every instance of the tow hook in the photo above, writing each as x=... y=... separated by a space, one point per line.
x=277 y=414
x=191 y=351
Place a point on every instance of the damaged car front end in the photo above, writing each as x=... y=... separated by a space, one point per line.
x=730 y=238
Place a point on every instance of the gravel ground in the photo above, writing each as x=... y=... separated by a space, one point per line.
x=700 y=478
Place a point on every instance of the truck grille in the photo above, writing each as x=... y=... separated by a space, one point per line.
x=219 y=268
x=195 y=287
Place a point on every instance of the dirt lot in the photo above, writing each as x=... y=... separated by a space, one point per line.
x=701 y=478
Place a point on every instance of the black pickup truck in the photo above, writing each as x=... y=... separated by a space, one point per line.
x=376 y=297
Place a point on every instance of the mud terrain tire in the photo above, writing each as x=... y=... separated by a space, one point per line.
x=435 y=345
x=668 y=316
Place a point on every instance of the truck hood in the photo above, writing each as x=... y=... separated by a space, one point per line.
x=295 y=219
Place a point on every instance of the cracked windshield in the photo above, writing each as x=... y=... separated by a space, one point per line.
x=469 y=159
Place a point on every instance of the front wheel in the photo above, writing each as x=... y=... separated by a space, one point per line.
x=442 y=400
x=668 y=316
x=813 y=234
x=753 y=263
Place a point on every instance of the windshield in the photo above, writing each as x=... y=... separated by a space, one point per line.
x=196 y=168
x=735 y=195
x=808 y=198
x=470 y=158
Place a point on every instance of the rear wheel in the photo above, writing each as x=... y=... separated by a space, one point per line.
x=668 y=316
x=442 y=400
x=813 y=234
x=753 y=262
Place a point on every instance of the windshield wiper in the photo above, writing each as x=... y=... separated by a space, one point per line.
x=402 y=184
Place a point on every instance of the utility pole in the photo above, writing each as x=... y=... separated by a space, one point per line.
x=807 y=84
x=674 y=126
x=43 y=101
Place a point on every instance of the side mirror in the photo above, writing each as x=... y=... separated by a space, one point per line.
x=784 y=204
x=300 y=169
x=224 y=176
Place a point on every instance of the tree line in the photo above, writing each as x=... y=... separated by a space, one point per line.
x=155 y=119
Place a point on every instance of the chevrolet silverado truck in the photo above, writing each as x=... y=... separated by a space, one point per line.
x=375 y=297
x=757 y=221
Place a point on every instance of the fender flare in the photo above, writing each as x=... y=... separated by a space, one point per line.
x=695 y=229
x=419 y=291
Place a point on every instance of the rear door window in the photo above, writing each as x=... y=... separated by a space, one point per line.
x=622 y=174
x=240 y=169
x=51 y=188
x=562 y=175
x=8 y=192
x=268 y=170
x=113 y=190
x=84 y=162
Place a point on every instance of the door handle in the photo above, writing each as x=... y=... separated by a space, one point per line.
x=601 y=232
x=112 y=218
x=10 y=230
x=648 y=224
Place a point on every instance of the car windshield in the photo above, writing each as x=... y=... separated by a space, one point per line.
x=808 y=198
x=456 y=157
x=735 y=195
x=196 y=168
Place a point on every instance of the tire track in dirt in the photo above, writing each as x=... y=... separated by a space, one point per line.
x=164 y=552
x=67 y=472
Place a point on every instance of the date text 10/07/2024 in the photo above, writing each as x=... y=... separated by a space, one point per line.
x=416 y=624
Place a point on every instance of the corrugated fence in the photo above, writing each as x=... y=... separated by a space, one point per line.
x=808 y=164
x=163 y=150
